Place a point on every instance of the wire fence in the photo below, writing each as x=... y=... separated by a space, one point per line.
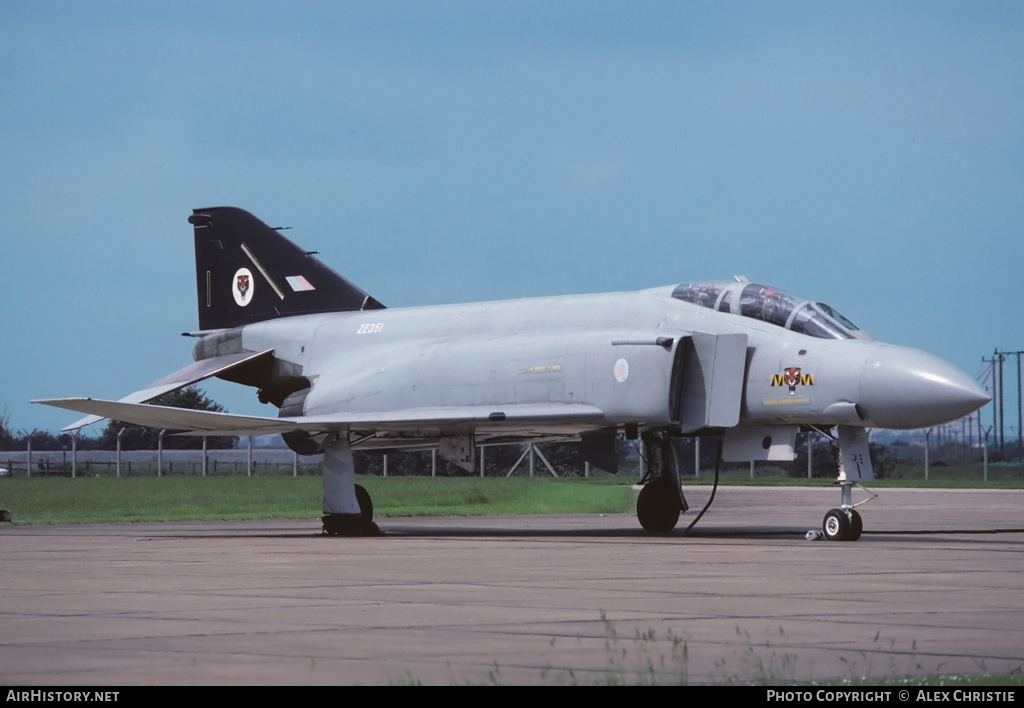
x=151 y=463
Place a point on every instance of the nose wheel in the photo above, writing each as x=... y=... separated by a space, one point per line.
x=842 y=525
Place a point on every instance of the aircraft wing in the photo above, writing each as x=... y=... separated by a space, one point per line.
x=194 y=372
x=416 y=421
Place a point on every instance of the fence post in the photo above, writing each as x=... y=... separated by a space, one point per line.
x=985 y=452
x=160 y=453
x=119 y=434
x=696 y=456
x=249 y=469
x=927 y=445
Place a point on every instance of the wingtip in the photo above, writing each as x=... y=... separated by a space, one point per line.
x=67 y=404
x=58 y=401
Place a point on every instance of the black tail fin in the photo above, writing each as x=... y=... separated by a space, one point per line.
x=248 y=272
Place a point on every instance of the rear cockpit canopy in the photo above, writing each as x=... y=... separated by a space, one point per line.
x=768 y=304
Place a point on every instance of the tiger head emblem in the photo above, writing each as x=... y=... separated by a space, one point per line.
x=792 y=379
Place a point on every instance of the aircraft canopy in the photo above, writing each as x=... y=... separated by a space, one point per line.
x=768 y=304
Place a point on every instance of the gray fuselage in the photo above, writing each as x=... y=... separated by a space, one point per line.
x=620 y=352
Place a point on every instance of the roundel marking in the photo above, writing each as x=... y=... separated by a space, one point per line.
x=621 y=370
x=243 y=287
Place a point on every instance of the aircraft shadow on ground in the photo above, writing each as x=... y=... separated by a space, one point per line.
x=410 y=531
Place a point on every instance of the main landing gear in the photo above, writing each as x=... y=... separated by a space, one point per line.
x=661 y=500
x=348 y=509
x=360 y=524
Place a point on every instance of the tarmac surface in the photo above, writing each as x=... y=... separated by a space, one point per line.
x=934 y=586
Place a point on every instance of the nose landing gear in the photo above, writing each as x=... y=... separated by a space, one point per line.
x=844 y=523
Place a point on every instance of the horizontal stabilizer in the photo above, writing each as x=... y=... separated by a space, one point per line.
x=418 y=421
x=193 y=373
x=177 y=419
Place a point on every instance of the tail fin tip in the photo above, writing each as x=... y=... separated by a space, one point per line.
x=248 y=272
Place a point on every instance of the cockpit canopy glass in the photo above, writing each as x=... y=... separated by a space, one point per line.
x=768 y=304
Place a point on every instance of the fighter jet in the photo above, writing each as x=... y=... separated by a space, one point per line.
x=747 y=362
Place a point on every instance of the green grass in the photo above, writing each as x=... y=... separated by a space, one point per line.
x=905 y=473
x=99 y=499
x=102 y=498
x=106 y=499
x=425 y=496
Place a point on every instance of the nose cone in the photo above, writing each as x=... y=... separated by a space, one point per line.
x=906 y=388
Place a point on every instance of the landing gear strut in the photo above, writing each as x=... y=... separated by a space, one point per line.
x=661 y=500
x=348 y=509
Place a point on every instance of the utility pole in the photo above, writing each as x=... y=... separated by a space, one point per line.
x=996 y=363
x=1020 y=408
x=997 y=358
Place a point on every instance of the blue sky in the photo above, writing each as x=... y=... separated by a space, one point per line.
x=868 y=154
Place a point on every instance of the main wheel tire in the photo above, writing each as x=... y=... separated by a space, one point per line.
x=656 y=510
x=856 y=525
x=360 y=524
x=342 y=524
x=836 y=525
x=365 y=505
